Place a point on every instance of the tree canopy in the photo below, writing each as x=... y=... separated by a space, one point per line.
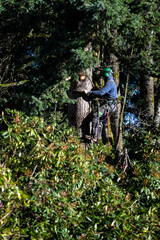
x=42 y=45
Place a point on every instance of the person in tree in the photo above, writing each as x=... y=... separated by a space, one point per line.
x=108 y=99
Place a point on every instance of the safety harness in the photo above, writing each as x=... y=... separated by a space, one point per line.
x=101 y=102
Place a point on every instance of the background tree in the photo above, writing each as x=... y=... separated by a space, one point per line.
x=145 y=64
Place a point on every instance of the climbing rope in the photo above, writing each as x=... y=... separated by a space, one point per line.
x=108 y=125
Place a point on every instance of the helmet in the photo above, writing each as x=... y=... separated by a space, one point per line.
x=107 y=71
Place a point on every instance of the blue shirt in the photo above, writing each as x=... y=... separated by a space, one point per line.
x=109 y=91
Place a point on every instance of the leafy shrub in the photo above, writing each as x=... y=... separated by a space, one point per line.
x=53 y=189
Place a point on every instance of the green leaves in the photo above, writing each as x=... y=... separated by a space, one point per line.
x=52 y=188
x=83 y=59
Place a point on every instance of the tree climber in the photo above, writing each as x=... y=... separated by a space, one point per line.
x=108 y=94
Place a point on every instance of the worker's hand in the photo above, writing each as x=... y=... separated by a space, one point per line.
x=86 y=95
x=80 y=93
x=90 y=95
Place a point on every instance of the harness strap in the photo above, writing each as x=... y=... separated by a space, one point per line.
x=108 y=126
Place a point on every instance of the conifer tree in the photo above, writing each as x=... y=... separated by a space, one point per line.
x=43 y=42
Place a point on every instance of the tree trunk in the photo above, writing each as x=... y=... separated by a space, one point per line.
x=147 y=95
x=78 y=113
x=115 y=119
x=157 y=114
x=147 y=89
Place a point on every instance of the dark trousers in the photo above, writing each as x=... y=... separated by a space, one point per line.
x=99 y=121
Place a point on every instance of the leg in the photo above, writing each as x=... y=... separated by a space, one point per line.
x=105 y=131
x=97 y=123
x=94 y=126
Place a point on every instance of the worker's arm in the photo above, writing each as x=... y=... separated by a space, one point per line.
x=101 y=92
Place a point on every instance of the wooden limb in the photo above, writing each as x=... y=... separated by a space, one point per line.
x=7 y=125
x=4 y=119
x=124 y=102
x=6 y=215
x=126 y=162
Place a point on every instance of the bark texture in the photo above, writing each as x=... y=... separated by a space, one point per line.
x=147 y=94
x=115 y=119
x=157 y=114
x=78 y=113
x=147 y=88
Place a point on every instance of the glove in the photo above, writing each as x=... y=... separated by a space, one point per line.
x=80 y=94
x=89 y=95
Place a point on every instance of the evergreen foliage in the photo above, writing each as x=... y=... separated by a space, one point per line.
x=52 y=189
x=42 y=44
